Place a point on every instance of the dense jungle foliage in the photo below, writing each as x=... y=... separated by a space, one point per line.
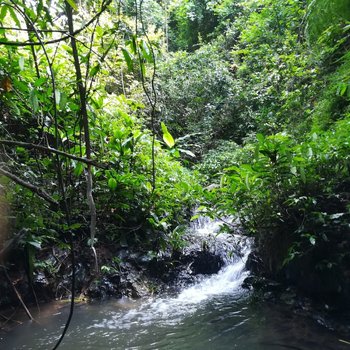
x=119 y=118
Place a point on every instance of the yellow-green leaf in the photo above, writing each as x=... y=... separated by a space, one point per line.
x=112 y=183
x=168 y=139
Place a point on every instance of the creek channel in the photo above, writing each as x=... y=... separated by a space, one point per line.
x=214 y=313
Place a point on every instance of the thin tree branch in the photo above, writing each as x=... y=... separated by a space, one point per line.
x=33 y=30
x=52 y=150
x=41 y=193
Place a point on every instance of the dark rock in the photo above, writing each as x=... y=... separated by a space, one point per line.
x=254 y=263
x=206 y=263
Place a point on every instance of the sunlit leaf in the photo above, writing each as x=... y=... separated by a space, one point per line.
x=128 y=59
x=40 y=81
x=14 y=16
x=167 y=137
x=3 y=12
x=112 y=183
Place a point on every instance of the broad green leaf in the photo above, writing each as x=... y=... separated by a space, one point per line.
x=168 y=139
x=3 y=12
x=34 y=101
x=342 y=89
x=75 y=226
x=63 y=101
x=78 y=170
x=40 y=6
x=133 y=45
x=260 y=138
x=40 y=82
x=247 y=181
x=195 y=217
x=149 y=187
x=94 y=70
x=146 y=52
x=112 y=183
x=164 y=128
x=128 y=59
x=14 y=16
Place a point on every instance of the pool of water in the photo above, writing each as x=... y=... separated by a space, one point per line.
x=218 y=322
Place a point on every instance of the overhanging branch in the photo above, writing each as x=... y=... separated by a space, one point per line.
x=52 y=150
x=41 y=193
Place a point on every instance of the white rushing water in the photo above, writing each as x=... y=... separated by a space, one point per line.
x=171 y=310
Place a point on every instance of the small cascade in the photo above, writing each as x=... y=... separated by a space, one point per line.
x=171 y=310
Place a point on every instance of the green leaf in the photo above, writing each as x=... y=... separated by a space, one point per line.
x=312 y=240
x=260 y=138
x=342 y=89
x=94 y=70
x=3 y=12
x=40 y=82
x=63 y=101
x=146 y=52
x=195 y=217
x=168 y=139
x=14 y=17
x=40 y=7
x=33 y=99
x=78 y=170
x=149 y=187
x=164 y=128
x=72 y=4
x=75 y=226
x=133 y=45
x=112 y=183
x=128 y=59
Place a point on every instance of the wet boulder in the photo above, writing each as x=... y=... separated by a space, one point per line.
x=205 y=262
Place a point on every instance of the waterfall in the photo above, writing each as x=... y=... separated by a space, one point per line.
x=171 y=310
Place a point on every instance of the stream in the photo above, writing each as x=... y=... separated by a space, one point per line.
x=215 y=313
